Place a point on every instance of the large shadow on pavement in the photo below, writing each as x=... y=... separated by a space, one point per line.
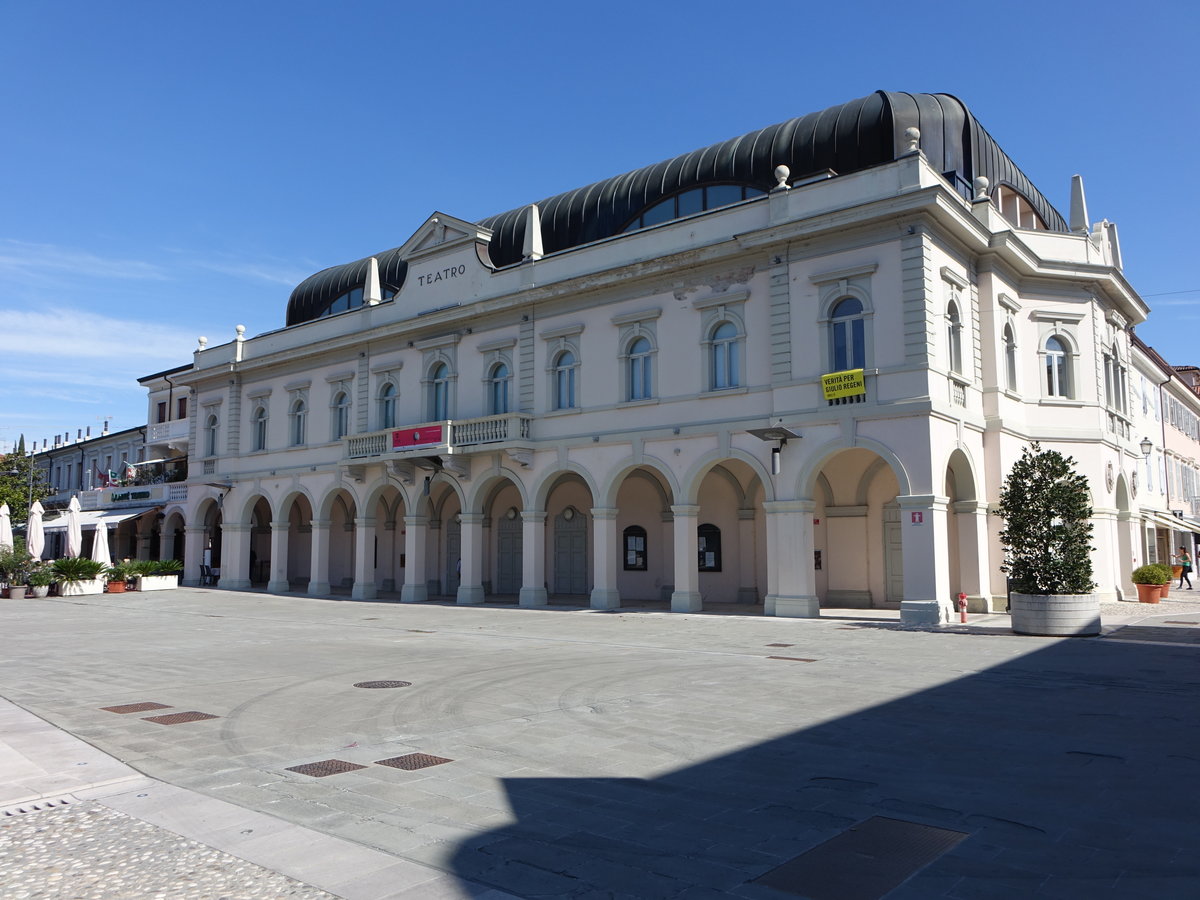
x=1073 y=770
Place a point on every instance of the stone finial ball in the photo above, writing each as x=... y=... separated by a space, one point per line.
x=782 y=173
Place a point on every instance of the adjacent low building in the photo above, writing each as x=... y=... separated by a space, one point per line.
x=121 y=492
x=789 y=370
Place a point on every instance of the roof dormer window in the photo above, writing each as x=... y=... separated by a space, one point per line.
x=690 y=202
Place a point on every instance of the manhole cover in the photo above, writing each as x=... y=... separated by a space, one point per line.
x=412 y=761
x=325 y=767
x=135 y=707
x=178 y=718
x=383 y=684
x=863 y=863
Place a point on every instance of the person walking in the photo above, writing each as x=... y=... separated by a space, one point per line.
x=1184 y=559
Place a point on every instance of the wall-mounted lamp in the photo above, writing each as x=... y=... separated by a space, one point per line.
x=775 y=433
x=1147 y=445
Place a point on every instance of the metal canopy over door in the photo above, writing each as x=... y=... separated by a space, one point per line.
x=508 y=554
x=570 y=552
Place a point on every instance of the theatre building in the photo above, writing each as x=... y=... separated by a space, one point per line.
x=789 y=371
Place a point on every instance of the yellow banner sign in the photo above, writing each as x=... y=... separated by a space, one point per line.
x=844 y=384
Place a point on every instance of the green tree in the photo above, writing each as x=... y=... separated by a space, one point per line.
x=17 y=474
x=1047 y=535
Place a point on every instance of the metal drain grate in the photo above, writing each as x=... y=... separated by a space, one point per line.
x=383 y=684
x=325 y=767
x=1181 y=622
x=178 y=718
x=864 y=862
x=781 y=645
x=793 y=658
x=411 y=761
x=135 y=707
x=35 y=806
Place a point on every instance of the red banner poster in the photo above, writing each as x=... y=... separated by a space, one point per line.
x=416 y=437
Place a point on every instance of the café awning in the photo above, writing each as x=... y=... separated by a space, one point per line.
x=1170 y=522
x=90 y=518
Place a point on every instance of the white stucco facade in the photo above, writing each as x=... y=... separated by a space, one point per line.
x=578 y=427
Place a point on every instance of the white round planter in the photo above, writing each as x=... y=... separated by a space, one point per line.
x=1055 y=615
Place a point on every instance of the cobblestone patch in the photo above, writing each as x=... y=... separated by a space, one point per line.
x=86 y=851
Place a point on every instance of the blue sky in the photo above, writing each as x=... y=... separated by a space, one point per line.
x=170 y=170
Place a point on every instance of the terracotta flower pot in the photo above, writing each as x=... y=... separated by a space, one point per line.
x=116 y=587
x=1148 y=593
x=1165 y=588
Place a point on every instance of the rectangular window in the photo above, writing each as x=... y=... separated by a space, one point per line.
x=161 y=413
x=181 y=407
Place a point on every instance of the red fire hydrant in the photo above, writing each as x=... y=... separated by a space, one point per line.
x=962 y=607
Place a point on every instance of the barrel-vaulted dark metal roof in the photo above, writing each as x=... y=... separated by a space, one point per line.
x=846 y=138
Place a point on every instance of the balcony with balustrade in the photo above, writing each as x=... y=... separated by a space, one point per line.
x=509 y=432
x=162 y=437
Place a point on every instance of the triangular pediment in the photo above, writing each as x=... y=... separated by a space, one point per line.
x=443 y=232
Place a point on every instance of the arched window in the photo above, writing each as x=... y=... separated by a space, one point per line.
x=299 y=416
x=640 y=374
x=566 y=368
x=954 y=337
x=1010 y=358
x=341 y=415
x=1016 y=209
x=1058 y=368
x=352 y=299
x=439 y=392
x=691 y=202
x=260 y=428
x=708 y=543
x=725 y=357
x=498 y=385
x=847 y=335
x=635 y=548
x=211 y=425
x=387 y=406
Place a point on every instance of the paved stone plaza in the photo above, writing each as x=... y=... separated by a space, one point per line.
x=570 y=753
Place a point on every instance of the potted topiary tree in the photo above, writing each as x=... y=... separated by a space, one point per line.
x=1168 y=577
x=1148 y=580
x=1047 y=539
